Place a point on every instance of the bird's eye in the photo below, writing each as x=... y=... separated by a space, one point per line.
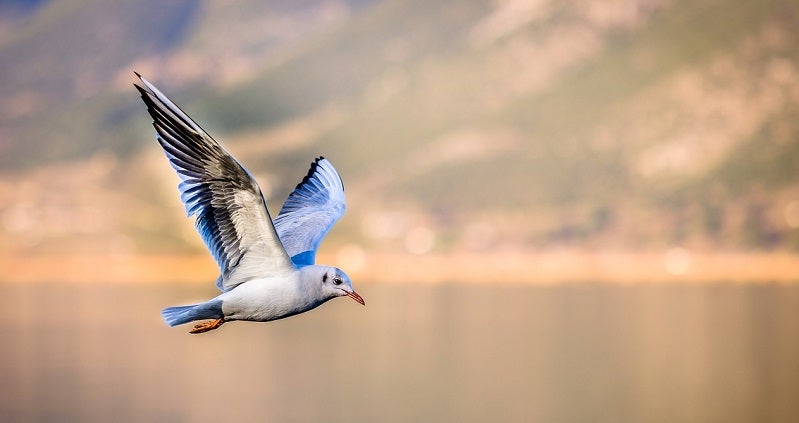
x=337 y=281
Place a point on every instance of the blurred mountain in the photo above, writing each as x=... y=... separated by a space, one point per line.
x=620 y=124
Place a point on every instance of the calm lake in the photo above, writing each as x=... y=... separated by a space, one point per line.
x=560 y=353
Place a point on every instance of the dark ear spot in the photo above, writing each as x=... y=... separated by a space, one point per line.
x=324 y=278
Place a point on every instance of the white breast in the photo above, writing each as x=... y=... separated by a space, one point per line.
x=262 y=300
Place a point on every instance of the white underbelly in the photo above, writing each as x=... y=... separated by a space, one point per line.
x=264 y=300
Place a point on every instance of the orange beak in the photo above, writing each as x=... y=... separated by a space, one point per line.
x=354 y=295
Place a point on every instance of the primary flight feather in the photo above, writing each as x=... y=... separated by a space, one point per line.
x=267 y=269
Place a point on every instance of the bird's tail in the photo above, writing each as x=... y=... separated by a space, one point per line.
x=179 y=315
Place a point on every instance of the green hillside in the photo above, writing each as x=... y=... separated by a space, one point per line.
x=633 y=124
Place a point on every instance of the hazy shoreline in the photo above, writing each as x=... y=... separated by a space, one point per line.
x=562 y=266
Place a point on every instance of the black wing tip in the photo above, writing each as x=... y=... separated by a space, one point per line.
x=310 y=173
x=150 y=101
x=155 y=106
x=139 y=87
x=143 y=91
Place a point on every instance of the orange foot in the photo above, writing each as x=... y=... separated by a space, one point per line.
x=206 y=326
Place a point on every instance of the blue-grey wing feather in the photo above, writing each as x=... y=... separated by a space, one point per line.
x=231 y=213
x=310 y=211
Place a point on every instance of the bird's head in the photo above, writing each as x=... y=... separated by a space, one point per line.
x=336 y=283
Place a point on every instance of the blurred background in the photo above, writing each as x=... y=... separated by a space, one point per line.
x=582 y=210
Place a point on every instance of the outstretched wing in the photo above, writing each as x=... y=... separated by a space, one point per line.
x=310 y=211
x=231 y=213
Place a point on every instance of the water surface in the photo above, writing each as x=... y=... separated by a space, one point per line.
x=577 y=352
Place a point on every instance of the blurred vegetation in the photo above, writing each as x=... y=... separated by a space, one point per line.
x=631 y=124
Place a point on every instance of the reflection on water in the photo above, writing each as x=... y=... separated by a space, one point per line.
x=715 y=352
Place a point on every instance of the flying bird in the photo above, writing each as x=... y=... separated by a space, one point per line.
x=267 y=269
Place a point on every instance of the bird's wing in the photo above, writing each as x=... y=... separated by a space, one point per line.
x=310 y=211
x=231 y=213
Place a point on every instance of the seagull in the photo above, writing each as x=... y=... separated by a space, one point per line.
x=267 y=269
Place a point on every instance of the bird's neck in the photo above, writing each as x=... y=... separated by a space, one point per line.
x=309 y=283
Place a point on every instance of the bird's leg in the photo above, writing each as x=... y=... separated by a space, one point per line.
x=206 y=326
